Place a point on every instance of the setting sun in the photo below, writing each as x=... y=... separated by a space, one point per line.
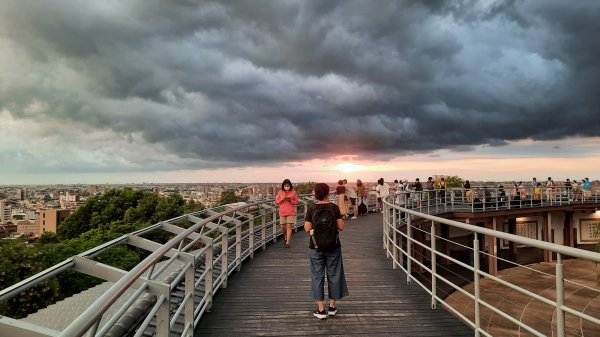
x=348 y=167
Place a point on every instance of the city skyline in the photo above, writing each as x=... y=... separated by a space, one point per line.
x=131 y=92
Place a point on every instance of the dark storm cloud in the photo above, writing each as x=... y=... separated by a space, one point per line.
x=260 y=81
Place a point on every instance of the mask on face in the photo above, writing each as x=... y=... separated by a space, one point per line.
x=287 y=188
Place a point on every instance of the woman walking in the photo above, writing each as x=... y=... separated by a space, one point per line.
x=287 y=199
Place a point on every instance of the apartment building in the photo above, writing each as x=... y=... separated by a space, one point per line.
x=49 y=219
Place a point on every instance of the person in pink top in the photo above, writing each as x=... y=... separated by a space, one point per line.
x=287 y=199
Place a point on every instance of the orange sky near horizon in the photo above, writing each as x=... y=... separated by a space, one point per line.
x=573 y=158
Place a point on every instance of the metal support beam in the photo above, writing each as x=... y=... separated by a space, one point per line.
x=112 y=274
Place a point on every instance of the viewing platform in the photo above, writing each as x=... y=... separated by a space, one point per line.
x=430 y=264
x=271 y=297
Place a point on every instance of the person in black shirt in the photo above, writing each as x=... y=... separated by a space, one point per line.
x=322 y=261
x=418 y=190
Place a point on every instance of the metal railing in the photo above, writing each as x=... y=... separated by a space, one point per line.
x=416 y=250
x=197 y=260
x=482 y=198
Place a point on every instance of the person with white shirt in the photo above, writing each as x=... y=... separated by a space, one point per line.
x=383 y=190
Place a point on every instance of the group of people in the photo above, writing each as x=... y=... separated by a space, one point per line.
x=574 y=190
x=383 y=190
x=350 y=200
x=326 y=259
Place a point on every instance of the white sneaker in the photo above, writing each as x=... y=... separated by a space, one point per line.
x=354 y=217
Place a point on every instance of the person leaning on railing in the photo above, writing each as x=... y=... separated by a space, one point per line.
x=418 y=189
x=468 y=191
x=586 y=186
x=442 y=184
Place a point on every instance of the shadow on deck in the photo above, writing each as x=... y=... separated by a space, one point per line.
x=271 y=295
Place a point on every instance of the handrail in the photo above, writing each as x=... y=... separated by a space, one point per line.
x=87 y=319
x=219 y=254
x=396 y=216
x=570 y=251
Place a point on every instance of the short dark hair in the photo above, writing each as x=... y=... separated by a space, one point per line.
x=287 y=182
x=321 y=191
x=340 y=182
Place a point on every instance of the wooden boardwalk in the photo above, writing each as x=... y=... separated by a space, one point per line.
x=271 y=295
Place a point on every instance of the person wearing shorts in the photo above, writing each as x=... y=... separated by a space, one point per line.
x=287 y=199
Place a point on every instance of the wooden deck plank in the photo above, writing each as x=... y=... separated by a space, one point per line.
x=271 y=295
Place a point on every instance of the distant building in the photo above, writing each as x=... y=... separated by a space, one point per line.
x=92 y=190
x=49 y=219
x=28 y=228
x=5 y=212
x=21 y=193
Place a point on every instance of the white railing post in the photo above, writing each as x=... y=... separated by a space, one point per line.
x=263 y=228
x=163 y=317
x=190 y=285
x=238 y=247
x=208 y=279
x=275 y=226
x=476 y=267
x=560 y=297
x=408 y=248
x=384 y=235
x=251 y=236
x=433 y=267
x=224 y=258
x=428 y=201
x=394 y=238
x=400 y=255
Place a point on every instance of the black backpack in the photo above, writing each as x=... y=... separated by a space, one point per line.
x=325 y=234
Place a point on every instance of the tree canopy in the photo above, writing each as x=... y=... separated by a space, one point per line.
x=305 y=188
x=454 y=181
x=229 y=197
x=101 y=219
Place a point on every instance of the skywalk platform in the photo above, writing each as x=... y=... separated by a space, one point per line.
x=271 y=295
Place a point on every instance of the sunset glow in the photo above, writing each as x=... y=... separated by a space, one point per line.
x=349 y=167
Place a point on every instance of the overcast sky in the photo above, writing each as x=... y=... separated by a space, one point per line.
x=130 y=90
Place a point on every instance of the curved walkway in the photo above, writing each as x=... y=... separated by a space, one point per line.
x=271 y=295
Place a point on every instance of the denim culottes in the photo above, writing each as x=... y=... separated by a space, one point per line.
x=331 y=263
